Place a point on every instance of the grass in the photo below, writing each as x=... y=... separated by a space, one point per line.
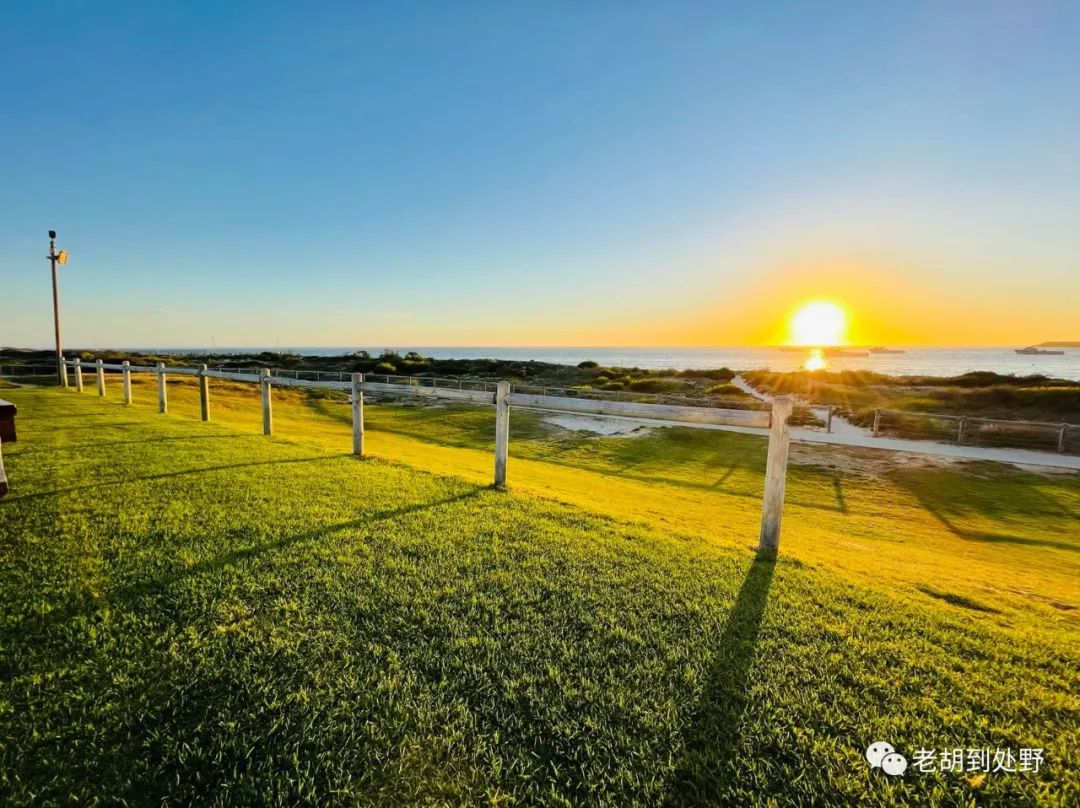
x=196 y=613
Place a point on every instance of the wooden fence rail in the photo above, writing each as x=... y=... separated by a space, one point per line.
x=503 y=399
x=964 y=427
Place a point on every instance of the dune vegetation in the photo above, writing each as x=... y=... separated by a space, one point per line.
x=990 y=395
x=195 y=612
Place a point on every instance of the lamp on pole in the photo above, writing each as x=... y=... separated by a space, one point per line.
x=55 y=258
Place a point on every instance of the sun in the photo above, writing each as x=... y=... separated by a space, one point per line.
x=820 y=322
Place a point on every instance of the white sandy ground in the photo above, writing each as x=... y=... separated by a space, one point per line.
x=598 y=424
x=844 y=434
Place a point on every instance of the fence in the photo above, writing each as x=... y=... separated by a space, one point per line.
x=35 y=373
x=501 y=395
x=972 y=431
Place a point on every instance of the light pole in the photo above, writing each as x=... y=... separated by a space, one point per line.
x=54 y=259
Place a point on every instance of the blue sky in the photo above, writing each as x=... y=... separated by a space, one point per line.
x=538 y=173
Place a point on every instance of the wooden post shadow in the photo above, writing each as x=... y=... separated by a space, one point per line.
x=710 y=756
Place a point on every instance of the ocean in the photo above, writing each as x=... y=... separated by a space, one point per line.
x=915 y=361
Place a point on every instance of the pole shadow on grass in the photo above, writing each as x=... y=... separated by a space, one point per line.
x=710 y=749
x=35 y=631
x=114 y=481
x=949 y=512
x=52 y=449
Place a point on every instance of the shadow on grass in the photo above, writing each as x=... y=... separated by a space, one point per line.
x=731 y=469
x=164 y=476
x=710 y=756
x=933 y=501
x=838 y=489
x=555 y=455
x=85 y=429
x=34 y=632
x=242 y=554
x=107 y=444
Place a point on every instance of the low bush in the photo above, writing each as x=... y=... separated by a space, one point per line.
x=727 y=390
x=717 y=374
x=655 y=386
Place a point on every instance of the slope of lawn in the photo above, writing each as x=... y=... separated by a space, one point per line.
x=193 y=612
x=976 y=532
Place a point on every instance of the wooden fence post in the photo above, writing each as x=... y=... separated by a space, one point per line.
x=162 y=396
x=267 y=405
x=100 y=378
x=877 y=422
x=772 y=504
x=126 y=375
x=78 y=375
x=502 y=432
x=204 y=393
x=828 y=422
x=961 y=430
x=63 y=372
x=1061 y=438
x=358 y=414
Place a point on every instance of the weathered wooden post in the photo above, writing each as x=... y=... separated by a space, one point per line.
x=358 y=414
x=267 y=406
x=78 y=375
x=1062 y=434
x=502 y=432
x=961 y=430
x=828 y=422
x=63 y=372
x=772 y=504
x=877 y=422
x=100 y=378
x=204 y=393
x=162 y=395
x=126 y=375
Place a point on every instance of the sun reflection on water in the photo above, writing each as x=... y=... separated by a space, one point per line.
x=816 y=360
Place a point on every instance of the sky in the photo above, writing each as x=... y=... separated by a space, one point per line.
x=551 y=173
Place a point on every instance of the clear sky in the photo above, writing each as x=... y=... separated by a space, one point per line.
x=549 y=173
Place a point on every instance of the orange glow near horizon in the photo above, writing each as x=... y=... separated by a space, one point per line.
x=818 y=323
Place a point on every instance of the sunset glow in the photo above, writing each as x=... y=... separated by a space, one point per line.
x=816 y=360
x=820 y=322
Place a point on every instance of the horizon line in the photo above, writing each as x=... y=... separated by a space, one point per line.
x=407 y=346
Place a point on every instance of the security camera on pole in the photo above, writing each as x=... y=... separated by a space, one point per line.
x=55 y=258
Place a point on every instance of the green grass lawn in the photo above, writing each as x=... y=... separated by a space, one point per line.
x=193 y=612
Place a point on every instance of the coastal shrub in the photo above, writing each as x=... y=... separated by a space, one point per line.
x=414 y=366
x=385 y=367
x=654 y=386
x=716 y=374
x=727 y=390
x=614 y=386
x=588 y=364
